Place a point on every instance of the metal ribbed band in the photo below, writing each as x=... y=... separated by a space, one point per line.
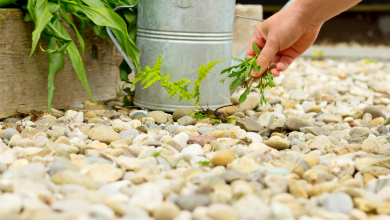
x=184 y=36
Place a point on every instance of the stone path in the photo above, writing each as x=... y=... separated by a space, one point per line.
x=319 y=150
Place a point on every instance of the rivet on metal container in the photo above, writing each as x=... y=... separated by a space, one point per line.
x=186 y=33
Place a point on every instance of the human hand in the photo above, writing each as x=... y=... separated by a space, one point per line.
x=281 y=39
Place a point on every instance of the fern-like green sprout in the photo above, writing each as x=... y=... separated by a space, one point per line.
x=243 y=77
x=152 y=75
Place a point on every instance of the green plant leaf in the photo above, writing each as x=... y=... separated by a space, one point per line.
x=56 y=63
x=4 y=3
x=191 y=112
x=75 y=58
x=124 y=71
x=202 y=74
x=67 y=19
x=256 y=49
x=105 y=17
x=27 y=17
x=41 y=16
x=53 y=7
x=245 y=94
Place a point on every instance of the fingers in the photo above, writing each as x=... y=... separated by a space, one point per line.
x=258 y=39
x=288 y=57
x=266 y=56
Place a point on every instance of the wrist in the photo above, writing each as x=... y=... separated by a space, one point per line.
x=307 y=13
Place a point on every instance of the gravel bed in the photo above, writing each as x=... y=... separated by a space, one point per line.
x=318 y=150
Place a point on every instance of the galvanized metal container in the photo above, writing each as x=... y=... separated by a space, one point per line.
x=186 y=33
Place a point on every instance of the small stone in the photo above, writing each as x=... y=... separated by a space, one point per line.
x=231 y=175
x=159 y=117
x=251 y=102
x=78 y=105
x=148 y=196
x=200 y=139
x=222 y=134
x=249 y=125
x=223 y=158
x=129 y=133
x=294 y=123
x=10 y=203
x=90 y=114
x=104 y=172
x=252 y=207
x=180 y=112
x=190 y=202
x=278 y=143
x=385 y=149
x=103 y=134
x=265 y=120
x=315 y=108
x=136 y=114
x=338 y=202
x=374 y=111
x=221 y=212
x=229 y=110
x=312 y=159
x=297 y=189
x=9 y=132
x=63 y=140
x=78 y=118
x=186 y=120
x=72 y=177
x=166 y=211
x=371 y=145
x=8 y=157
x=332 y=119
x=193 y=149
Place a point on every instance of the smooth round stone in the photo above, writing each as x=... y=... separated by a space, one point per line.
x=221 y=212
x=11 y=120
x=294 y=123
x=338 y=202
x=180 y=112
x=374 y=111
x=312 y=159
x=103 y=134
x=190 y=202
x=223 y=158
x=151 y=125
x=138 y=113
x=193 y=149
x=78 y=105
x=9 y=132
x=166 y=211
x=172 y=128
x=186 y=120
x=129 y=133
x=251 y=102
x=231 y=175
x=90 y=114
x=159 y=117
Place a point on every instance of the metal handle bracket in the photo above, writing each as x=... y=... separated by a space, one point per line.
x=127 y=59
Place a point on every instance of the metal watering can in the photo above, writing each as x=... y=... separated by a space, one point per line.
x=186 y=33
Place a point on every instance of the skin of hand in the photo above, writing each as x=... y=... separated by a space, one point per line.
x=290 y=32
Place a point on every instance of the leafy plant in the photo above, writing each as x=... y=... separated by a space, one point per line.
x=200 y=116
x=317 y=54
x=95 y=13
x=204 y=163
x=243 y=77
x=152 y=75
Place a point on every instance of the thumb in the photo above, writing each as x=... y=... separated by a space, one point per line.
x=266 y=55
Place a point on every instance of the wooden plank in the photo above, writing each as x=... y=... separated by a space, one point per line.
x=243 y=28
x=24 y=80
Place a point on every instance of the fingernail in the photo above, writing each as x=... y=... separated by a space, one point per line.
x=253 y=73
